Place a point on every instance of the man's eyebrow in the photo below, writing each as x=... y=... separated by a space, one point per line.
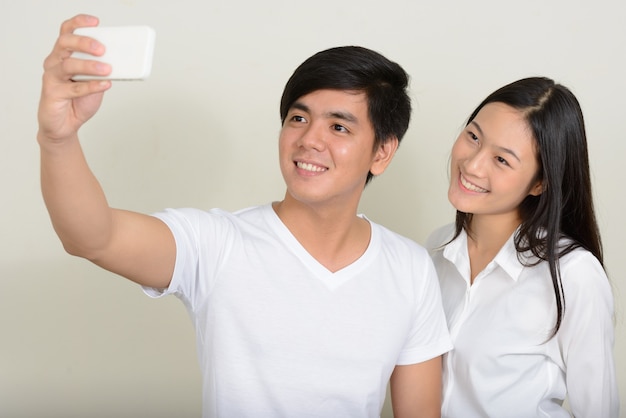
x=336 y=114
x=300 y=106
x=503 y=149
x=347 y=116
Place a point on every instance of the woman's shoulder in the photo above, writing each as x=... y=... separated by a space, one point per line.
x=578 y=260
x=583 y=274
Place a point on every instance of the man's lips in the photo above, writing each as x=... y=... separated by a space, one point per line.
x=310 y=167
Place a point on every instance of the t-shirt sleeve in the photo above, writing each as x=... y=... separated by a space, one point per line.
x=429 y=336
x=201 y=241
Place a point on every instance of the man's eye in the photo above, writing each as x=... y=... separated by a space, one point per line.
x=298 y=118
x=339 y=128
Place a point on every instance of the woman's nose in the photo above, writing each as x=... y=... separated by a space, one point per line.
x=475 y=163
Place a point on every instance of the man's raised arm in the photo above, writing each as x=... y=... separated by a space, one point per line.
x=136 y=246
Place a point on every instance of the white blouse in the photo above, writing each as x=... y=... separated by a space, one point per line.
x=504 y=362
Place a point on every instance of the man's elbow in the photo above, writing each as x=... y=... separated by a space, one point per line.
x=78 y=250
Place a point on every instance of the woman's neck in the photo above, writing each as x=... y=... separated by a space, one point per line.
x=486 y=236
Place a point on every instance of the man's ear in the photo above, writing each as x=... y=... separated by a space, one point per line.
x=383 y=155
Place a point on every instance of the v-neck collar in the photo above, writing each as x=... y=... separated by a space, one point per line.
x=331 y=279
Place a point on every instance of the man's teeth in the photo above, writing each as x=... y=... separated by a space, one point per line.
x=310 y=167
x=472 y=187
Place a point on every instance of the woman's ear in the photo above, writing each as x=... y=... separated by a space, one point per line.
x=383 y=155
x=537 y=189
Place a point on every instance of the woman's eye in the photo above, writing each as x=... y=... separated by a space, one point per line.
x=473 y=136
x=502 y=161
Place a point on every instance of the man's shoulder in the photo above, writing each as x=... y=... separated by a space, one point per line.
x=252 y=212
x=440 y=236
x=395 y=240
x=202 y=218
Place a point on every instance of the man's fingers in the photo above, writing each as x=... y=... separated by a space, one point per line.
x=67 y=42
x=78 y=21
x=56 y=90
x=70 y=67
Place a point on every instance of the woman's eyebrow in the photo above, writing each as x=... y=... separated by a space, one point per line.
x=501 y=148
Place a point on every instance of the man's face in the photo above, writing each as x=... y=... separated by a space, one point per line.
x=327 y=147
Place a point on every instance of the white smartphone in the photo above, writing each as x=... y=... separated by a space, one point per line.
x=129 y=51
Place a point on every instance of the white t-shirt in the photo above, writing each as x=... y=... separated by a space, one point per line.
x=279 y=335
x=503 y=363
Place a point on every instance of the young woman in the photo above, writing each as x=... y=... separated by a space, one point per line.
x=527 y=300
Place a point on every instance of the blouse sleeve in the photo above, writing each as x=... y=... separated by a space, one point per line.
x=586 y=338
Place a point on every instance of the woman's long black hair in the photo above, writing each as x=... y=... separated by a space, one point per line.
x=565 y=207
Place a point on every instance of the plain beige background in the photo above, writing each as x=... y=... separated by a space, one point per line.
x=76 y=341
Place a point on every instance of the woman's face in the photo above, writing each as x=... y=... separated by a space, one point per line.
x=494 y=163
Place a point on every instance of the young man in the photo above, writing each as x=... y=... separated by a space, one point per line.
x=301 y=307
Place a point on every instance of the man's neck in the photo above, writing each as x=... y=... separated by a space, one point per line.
x=335 y=237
